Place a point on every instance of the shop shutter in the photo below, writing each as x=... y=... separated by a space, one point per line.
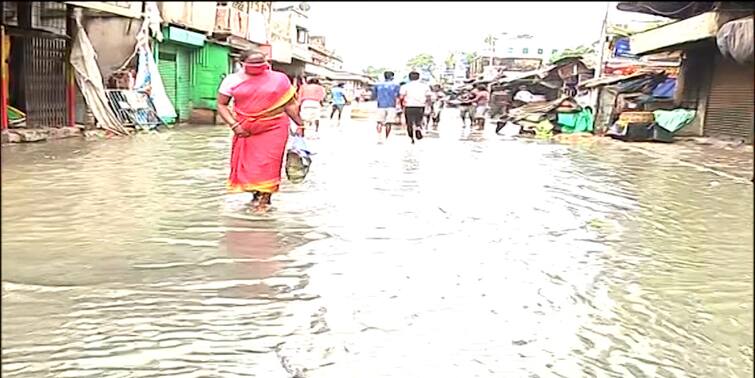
x=730 y=102
x=44 y=80
x=183 y=84
x=166 y=65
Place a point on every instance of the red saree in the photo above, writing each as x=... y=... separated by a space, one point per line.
x=256 y=160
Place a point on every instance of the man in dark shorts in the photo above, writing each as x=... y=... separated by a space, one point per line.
x=339 y=100
x=415 y=96
x=466 y=109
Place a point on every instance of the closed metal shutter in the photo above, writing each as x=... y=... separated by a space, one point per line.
x=38 y=77
x=183 y=84
x=166 y=65
x=730 y=102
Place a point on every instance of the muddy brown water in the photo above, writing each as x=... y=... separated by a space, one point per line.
x=462 y=256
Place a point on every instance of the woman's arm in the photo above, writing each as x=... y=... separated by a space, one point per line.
x=227 y=115
x=292 y=109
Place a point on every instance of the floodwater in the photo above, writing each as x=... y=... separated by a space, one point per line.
x=461 y=256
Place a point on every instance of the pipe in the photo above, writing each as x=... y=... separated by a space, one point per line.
x=5 y=76
x=70 y=78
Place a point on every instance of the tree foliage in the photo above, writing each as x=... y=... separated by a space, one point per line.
x=450 y=61
x=374 y=72
x=422 y=62
x=580 y=50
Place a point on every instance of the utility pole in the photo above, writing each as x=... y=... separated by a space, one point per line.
x=603 y=35
x=601 y=61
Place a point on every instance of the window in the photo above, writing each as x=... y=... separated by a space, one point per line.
x=525 y=50
x=510 y=50
x=554 y=51
x=539 y=51
x=302 y=36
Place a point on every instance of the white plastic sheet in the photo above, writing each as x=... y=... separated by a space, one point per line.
x=87 y=73
x=148 y=75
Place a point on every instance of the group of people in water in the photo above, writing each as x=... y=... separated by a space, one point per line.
x=265 y=102
x=414 y=103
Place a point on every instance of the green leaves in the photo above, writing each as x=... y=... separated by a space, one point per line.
x=424 y=62
x=374 y=72
x=580 y=50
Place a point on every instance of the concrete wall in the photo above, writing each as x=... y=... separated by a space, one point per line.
x=114 y=39
x=199 y=15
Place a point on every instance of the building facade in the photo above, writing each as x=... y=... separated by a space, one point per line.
x=37 y=90
x=195 y=45
x=511 y=54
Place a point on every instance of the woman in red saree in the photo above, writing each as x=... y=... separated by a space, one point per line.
x=263 y=102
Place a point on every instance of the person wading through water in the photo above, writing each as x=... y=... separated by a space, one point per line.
x=415 y=95
x=263 y=101
x=433 y=108
x=466 y=108
x=480 y=101
x=387 y=94
x=338 y=97
x=311 y=96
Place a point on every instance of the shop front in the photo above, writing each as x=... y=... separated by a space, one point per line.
x=176 y=63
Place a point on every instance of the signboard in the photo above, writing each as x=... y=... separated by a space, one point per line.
x=257 y=28
x=281 y=37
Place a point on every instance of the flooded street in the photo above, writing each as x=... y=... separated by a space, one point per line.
x=461 y=256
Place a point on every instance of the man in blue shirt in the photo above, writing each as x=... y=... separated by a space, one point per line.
x=387 y=96
x=339 y=100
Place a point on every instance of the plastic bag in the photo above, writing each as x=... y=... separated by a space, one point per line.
x=735 y=40
x=298 y=160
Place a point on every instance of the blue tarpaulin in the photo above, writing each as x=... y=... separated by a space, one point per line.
x=621 y=49
x=665 y=89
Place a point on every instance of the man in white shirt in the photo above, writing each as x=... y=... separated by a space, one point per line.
x=415 y=96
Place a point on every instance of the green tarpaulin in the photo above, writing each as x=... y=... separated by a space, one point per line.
x=673 y=120
x=581 y=122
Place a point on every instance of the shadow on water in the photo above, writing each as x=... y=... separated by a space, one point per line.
x=460 y=256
